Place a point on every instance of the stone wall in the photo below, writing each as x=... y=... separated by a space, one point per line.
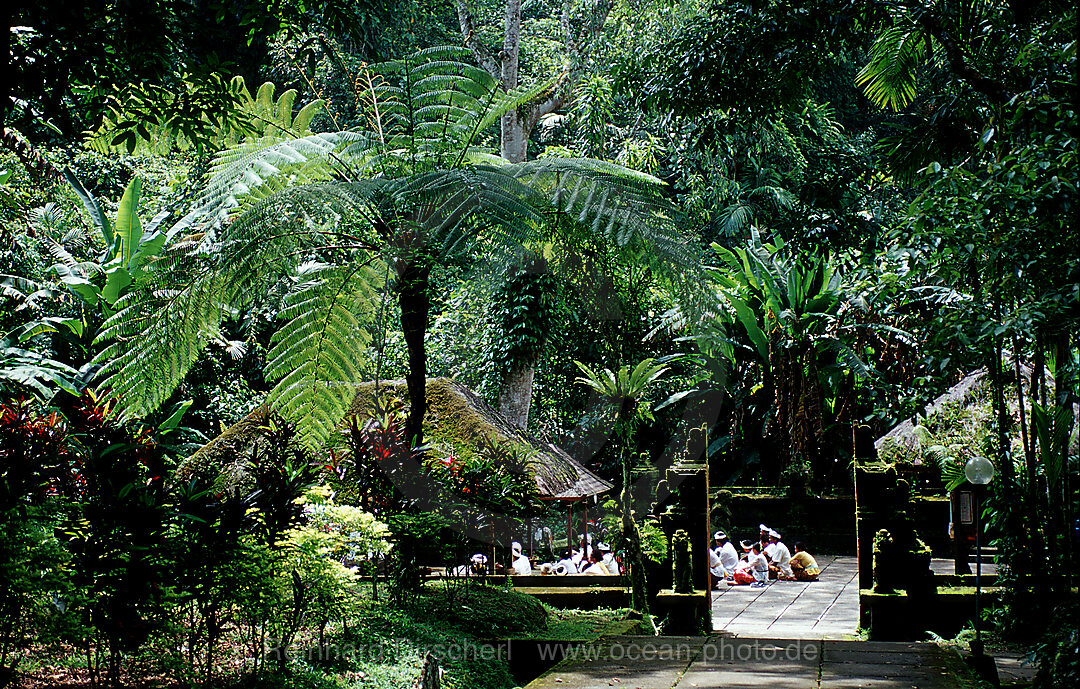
x=826 y=524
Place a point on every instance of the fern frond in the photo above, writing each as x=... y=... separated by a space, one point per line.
x=316 y=358
x=154 y=342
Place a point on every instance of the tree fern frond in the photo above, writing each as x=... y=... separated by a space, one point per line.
x=260 y=167
x=316 y=358
x=153 y=345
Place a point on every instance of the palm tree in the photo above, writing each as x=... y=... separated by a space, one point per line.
x=344 y=216
x=624 y=389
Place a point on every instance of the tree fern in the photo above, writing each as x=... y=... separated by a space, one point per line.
x=409 y=191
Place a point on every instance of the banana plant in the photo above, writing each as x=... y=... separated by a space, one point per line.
x=784 y=316
x=128 y=248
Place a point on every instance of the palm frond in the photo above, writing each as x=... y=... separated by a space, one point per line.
x=890 y=76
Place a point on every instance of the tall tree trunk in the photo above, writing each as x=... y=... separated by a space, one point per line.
x=515 y=393
x=413 y=297
x=632 y=536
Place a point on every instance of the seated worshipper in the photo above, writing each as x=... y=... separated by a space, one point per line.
x=566 y=564
x=715 y=568
x=803 y=564
x=475 y=567
x=768 y=546
x=607 y=559
x=742 y=572
x=716 y=564
x=596 y=567
x=759 y=566
x=520 y=566
x=780 y=562
x=546 y=569
x=729 y=557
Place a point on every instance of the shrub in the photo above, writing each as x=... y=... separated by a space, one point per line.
x=486 y=612
x=1058 y=654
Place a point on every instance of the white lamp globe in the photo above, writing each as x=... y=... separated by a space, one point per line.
x=979 y=471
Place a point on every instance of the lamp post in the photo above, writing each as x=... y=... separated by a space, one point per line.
x=979 y=471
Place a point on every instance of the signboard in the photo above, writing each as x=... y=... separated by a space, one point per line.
x=967 y=515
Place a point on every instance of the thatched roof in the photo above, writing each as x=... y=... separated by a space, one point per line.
x=903 y=433
x=963 y=394
x=456 y=417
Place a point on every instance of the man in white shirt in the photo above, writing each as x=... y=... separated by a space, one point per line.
x=722 y=556
x=520 y=565
x=729 y=557
x=768 y=545
x=595 y=566
x=780 y=561
x=607 y=559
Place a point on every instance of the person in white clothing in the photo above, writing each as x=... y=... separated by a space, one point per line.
x=759 y=566
x=729 y=557
x=768 y=545
x=566 y=564
x=520 y=565
x=607 y=559
x=475 y=566
x=595 y=566
x=715 y=568
x=722 y=556
x=780 y=561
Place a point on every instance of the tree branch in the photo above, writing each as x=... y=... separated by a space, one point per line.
x=991 y=88
x=468 y=33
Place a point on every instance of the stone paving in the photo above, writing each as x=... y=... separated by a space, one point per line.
x=827 y=608
x=743 y=663
x=788 y=635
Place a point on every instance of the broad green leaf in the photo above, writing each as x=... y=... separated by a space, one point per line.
x=117 y=281
x=749 y=322
x=128 y=228
x=174 y=419
x=96 y=215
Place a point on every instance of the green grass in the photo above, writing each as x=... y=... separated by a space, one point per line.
x=577 y=624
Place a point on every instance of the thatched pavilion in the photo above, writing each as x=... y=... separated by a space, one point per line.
x=456 y=416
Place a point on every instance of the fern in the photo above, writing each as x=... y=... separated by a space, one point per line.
x=314 y=359
x=324 y=210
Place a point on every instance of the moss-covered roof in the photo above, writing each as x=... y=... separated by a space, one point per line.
x=970 y=395
x=456 y=417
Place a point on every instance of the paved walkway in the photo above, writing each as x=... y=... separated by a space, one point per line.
x=744 y=663
x=823 y=609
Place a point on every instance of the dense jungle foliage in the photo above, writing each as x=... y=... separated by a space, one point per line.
x=755 y=235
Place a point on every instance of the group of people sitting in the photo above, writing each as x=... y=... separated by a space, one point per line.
x=586 y=559
x=761 y=560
